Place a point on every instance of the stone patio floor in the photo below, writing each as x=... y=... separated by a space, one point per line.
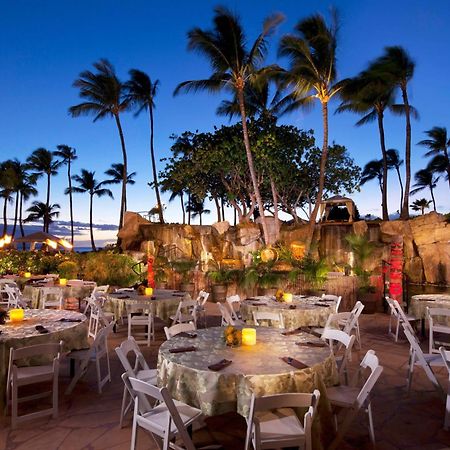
x=88 y=420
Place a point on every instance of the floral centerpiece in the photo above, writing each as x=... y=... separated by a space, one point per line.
x=233 y=336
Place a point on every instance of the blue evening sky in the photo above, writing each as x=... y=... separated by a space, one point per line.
x=46 y=44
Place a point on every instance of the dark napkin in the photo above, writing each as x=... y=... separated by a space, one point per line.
x=177 y=295
x=326 y=300
x=220 y=365
x=297 y=331
x=123 y=296
x=183 y=349
x=255 y=303
x=67 y=319
x=321 y=304
x=294 y=362
x=312 y=344
x=41 y=329
x=186 y=334
x=292 y=306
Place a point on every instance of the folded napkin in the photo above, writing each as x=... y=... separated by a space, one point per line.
x=220 y=365
x=123 y=296
x=325 y=300
x=183 y=349
x=41 y=329
x=297 y=331
x=312 y=344
x=292 y=306
x=258 y=303
x=322 y=304
x=67 y=319
x=125 y=290
x=177 y=295
x=186 y=334
x=294 y=362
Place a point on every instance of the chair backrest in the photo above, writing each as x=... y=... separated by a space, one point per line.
x=94 y=317
x=163 y=396
x=400 y=314
x=335 y=298
x=231 y=301
x=278 y=401
x=370 y=361
x=202 y=298
x=100 y=343
x=144 y=405
x=446 y=357
x=178 y=328
x=354 y=316
x=55 y=294
x=127 y=347
x=432 y=312
x=267 y=315
x=226 y=315
x=190 y=306
x=144 y=308
x=14 y=296
x=101 y=289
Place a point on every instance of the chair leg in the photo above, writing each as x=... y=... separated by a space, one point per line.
x=124 y=407
x=430 y=340
x=134 y=430
x=447 y=410
x=371 y=429
x=99 y=374
x=397 y=330
x=55 y=396
x=14 y=407
x=350 y=416
x=358 y=334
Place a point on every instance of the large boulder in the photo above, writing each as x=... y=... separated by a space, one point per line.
x=131 y=233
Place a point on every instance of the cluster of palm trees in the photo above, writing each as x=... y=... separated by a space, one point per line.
x=18 y=184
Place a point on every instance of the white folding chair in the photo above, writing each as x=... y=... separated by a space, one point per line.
x=5 y=287
x=335 y=298
x=267 y=316
x=273 y=423
x=52 y=297
x=226 y=316
x=103 y=289
x=351 y=322
x=347 y=341
x=435 y=317
x=399 y=315
x=201 y=300
x=420 y=359
x=15 y=297
x=446 y=358
x=19 y=376
x=178 y=328
x=141 y=315
x=166 y=421
x=186 y=312
x=232 y=301
x=352 y=399
x=138 y=369
x=97 y=351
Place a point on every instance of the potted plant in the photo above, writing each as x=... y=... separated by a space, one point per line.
x=185 y=268
x=362 y=250
x=315 y=274
x=261 y=275
x=221 y=277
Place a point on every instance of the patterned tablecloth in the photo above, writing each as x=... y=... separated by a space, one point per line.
x=419 y=303
x=256 y=369
x=303 y=311
x=34 y=293
x=164 y=303
x=23 y=334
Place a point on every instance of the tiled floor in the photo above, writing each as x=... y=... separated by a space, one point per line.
x=88 y=420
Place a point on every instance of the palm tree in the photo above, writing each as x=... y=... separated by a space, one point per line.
x=87 y=183
x=438 y=145
x=40 y=210
x=116 y=174
x=7 y=188
x=370 y=95
x=41 y=162
x=425 y=179
x=105 y=97
x=196 y=207
x=312 y=75
x=420 y=205
x=68 y=154
x=141 y=94
x=395 y=162
x=373 y=170
x=233 y=65
x=27 y=190
x=397 y=67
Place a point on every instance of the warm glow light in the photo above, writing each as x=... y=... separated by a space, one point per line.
x=287 y=298
x=63 y=281
x=2 y=243
x=65 y=243
x=27 y=275
x=148 y=291
x=7 y=239
x=16 y=315
x=248 y=336
x=51 y=243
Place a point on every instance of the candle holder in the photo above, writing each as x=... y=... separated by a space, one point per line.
x=149 y=291
x=63 y=281
x=27 y=275
x=248 y=336
x=287 y=297
x=16 y=315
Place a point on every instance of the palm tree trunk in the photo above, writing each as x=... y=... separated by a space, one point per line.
x=251 y=167
x=235 y=216
x=155 y=175
x=182 y=208
x=323 y=163
x=70 y=202
x=123 y=200
x=216 y=201
x=448 y=165
x=384 y=206
x=275 y=208
x=47 y=211
x=22 y=232
x=5 y=220
x=222 y=207
x=200 y=217
x=401 y=186
x=405 y=208
x=189 y=210
x=432 y=198
x=16 y=213
x=90 y=223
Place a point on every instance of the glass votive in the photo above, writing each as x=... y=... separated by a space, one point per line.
x=16 y=315
x=27 y=274
x=248 y=336
x=287 y=297
x=148 y=291
x=63 y=281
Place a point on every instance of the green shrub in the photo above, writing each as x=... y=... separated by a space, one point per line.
x=68 y=269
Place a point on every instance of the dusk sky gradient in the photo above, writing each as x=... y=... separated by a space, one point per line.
x=46 y=44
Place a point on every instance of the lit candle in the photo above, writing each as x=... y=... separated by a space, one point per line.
x=27 y=275
x=16 y=315
x=63 y=281
x=287 y=297
x=148 y=291
x=248 y=336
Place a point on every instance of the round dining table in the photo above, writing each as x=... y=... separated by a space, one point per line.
x=164 y=302
x=55 y=325
x=302 y=312
x=185 y=366
x=34 y=293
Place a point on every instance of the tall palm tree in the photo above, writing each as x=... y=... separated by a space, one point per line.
x=425 y=178
x=420 y=205
x=116 y=174
x=42 y=162
x=40 y=210
x=234 y=65
x=7 y=188
x=18 y=177
x=311 y=50
x=398 y=67
x=105 y=97
x=196 y=207
x=395 y=162
x=370 y=95
x=68 y=154
x=141 y=92
x=438 y=144
x=87 y=183
x=27 y=190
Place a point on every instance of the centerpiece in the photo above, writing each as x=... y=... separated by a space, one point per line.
x=232 y=336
